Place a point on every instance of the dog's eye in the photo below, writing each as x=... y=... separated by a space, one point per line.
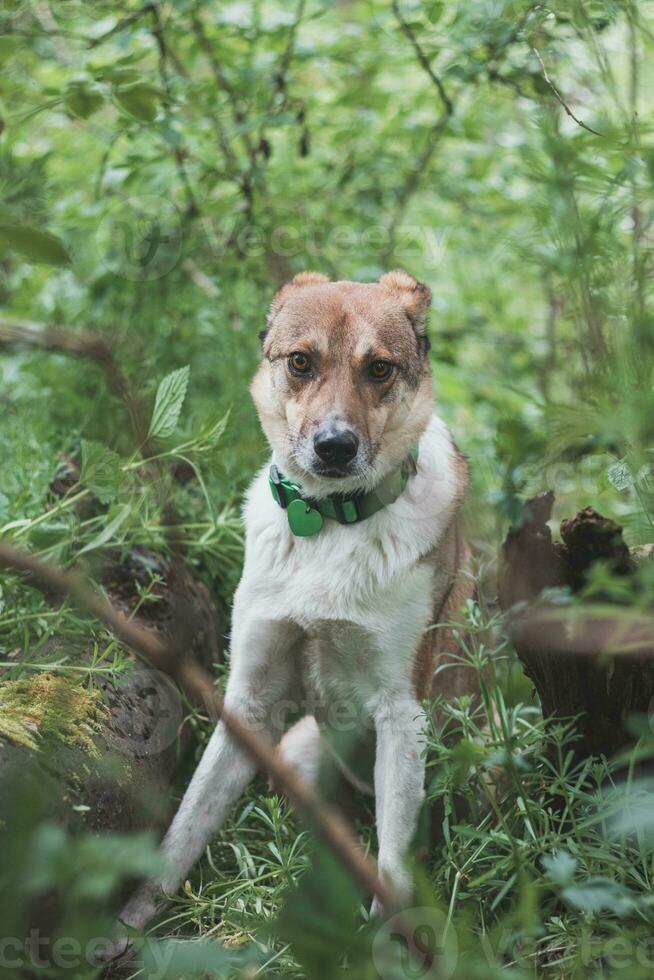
x=299 y=363
x=381 y=370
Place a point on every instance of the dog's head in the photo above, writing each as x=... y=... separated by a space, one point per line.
x=344 y=387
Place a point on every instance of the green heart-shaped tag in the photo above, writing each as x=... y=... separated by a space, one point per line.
x=303 y=520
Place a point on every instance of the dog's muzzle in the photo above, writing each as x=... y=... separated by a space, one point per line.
x=336 y=447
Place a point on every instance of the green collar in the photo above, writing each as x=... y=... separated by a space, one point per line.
x=306 y=516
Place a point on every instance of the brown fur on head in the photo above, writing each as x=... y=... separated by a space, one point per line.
x=344 y=387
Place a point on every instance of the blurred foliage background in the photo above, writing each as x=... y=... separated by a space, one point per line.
x=164 y=168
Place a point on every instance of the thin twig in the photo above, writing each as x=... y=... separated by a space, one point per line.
x=289 y=48
x=424 y=61
x=157 y=31
x=495 y=76
x=559 y=97
x=121 y=25
x=223 y=84
x=218 y=71
x=279 y=86
x=411 y=184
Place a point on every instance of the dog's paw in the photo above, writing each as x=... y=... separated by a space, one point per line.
x=120 y=948
x=138 y=912
x=142 y=908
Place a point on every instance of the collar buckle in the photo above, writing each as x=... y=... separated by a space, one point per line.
x=277 y=487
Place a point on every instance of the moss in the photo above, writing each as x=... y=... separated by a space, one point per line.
x=48 y=706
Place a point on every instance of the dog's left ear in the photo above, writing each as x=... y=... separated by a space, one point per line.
x=414 y=297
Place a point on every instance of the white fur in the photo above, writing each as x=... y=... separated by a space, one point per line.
x=300 y=749
x=344 y=610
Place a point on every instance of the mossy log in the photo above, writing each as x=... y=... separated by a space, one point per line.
x=597 y=666
x=115 y=750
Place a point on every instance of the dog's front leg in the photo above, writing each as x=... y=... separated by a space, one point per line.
x=399 y=788
x=262 y=666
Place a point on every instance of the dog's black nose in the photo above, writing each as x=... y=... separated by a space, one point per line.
x=336 y=448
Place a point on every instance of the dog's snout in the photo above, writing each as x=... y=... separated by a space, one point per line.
x=336 y=447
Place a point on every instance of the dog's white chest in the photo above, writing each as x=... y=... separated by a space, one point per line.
x=371 y=574
x=344 y=573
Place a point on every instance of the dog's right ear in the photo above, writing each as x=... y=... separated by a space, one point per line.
x=414 y=297
x=282 y=294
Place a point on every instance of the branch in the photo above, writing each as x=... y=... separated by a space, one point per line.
x=495 y=76
x=224 y=84
x=220 y=76
x=99 y=349
x=56 y=582
x=425 y=63
x=560 y=99
x=83 y=343
x=157 y=31
x=287 y=56
x=148 y=8
x=56 y=339
x=411 y=183
x=279 y=87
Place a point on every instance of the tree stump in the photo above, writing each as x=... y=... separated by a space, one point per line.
x=597 y=665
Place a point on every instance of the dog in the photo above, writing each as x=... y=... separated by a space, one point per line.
x=354 y=549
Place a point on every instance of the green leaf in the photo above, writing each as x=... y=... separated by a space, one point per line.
x=47 y=850
x=210 y=434
x=139 y=99
x=619 y=475
x=186 y=958
x=168 y=403
x=101 y=470
x=108 y=531
x=103 y=862
x=119 y=75
x=82 y=99
x=34 y=244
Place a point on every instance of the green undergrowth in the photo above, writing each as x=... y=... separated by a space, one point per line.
x=164 y=168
